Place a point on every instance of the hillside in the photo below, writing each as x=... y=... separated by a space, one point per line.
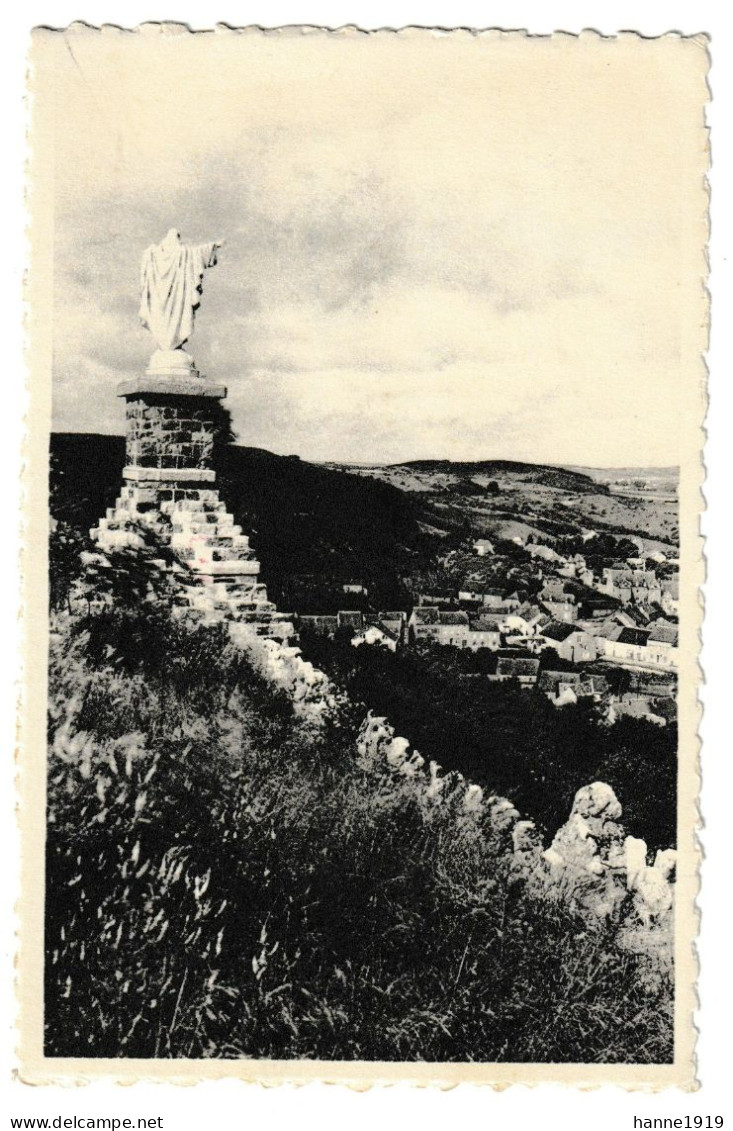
x=505 y=498
x=559 y=477
x=298 y=850
x=310 y=525
x=258 y=890
x=316 y=527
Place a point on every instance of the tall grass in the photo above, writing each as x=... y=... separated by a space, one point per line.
x=223 y=881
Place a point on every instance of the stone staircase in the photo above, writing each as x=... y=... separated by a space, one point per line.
x=169 y=491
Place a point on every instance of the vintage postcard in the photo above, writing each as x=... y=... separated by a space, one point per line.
x=362 y=571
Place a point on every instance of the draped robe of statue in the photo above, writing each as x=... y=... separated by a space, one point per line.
x=171 y=282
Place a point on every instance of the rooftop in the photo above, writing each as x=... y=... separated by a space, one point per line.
x=623 y=635
x=425 y=614
x=548 y=680
x=559 y=632
x=664 y=634
x=381 y=627
x=479 y=623
x=453 y=617
x=352 y=618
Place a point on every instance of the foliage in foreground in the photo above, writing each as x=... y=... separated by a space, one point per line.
x=222 y=882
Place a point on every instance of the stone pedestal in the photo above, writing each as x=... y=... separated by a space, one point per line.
x=169 y=489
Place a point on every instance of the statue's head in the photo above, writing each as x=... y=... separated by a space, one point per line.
x=172 y=236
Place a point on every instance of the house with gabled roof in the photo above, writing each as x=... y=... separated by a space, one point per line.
x=569 y=687
x=553 y=590
x=570 y=642
x=561 y=610
x=524 y=619
x=483 y=632
x=519 y=666
x=444 y=626
x=624 y=645
x=396 y=621
x=626 y=585
x=453 y=627
x=376 y=633
x=643 y=594
x=423 y=623
x=655 y=646
x=663 y=645
x=486 y=595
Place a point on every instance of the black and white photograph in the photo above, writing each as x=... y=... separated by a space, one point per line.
x=368 y=395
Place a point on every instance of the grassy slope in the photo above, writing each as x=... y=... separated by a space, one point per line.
x=306 y=520
x=510 y=741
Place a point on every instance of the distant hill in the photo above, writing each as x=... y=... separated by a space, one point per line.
x=559 y=477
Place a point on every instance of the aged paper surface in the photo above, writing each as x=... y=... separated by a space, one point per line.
x=436 y=246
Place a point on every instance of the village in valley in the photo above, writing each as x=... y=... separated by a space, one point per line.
x=573 y=608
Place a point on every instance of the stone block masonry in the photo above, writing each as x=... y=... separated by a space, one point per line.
x=169 y=490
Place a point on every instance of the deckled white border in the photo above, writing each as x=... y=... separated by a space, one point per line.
x=34 y=1066
x=639 y=18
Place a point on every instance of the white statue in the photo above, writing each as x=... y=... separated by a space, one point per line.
x=171 y=282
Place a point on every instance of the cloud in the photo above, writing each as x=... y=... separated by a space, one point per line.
x=438 y=258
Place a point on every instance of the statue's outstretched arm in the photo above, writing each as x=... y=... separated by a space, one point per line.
x=208 y=251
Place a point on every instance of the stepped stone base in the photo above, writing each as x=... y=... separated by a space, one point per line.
x=169 y=491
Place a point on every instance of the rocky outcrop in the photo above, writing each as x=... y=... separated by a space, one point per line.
x=591 y=864
x=586 y=857
x=313 y=695
x=605 y=874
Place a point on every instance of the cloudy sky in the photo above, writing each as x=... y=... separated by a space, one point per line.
x=463 y=247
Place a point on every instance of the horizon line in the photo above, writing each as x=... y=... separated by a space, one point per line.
x=417 y=459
